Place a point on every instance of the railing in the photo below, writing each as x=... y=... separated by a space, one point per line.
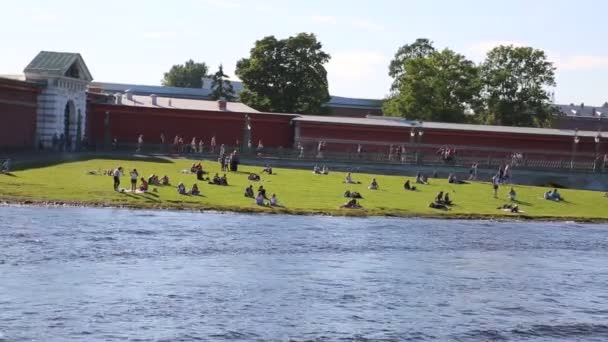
x=407 y=154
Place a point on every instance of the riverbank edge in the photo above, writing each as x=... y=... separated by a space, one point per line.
x=354 y=213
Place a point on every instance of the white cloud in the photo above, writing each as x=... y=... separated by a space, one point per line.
x=367 y=25
x=358 y=23
x=479 y=50
x=324 y=19
x=44 y=17
x=222 y=3
x=581 y=62
x=168 y=34
x=355 y=65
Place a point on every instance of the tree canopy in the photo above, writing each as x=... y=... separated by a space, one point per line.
x=516 y=82
x=511 y=87
x=437 y=87
x=421 y=48
x=220 y=86
x=187 y=75
x=286 y=75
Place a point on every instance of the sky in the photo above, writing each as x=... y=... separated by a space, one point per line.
x=137 y=41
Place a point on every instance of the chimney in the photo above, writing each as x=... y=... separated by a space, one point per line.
x=153 y=98
x=222 y=105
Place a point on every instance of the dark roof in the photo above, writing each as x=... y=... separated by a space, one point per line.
x=350 y=102
x=138 y=89
x=583 y=111
x=371 y=120
x=57 y=64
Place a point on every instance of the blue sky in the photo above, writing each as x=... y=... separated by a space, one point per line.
x=136 y=41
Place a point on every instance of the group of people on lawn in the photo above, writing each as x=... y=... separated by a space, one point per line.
x=134 y=177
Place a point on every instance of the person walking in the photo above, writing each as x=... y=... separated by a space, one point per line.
x=117 y=173
x=495 y=184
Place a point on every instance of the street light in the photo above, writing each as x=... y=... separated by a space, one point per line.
x=576 y=140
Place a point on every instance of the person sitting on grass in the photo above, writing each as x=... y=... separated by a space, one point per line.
x=373 y=185
x=144 y=185
x=352 y=204
x=324 y=170
x=267 y=170
x=195 y=191
x=254 y=177
x=224 y=180
x=181 y=189
x=439 y=197
x=249 y=191
x=164 y=180
x=215 y=180
x=421 y=179
x=262 y=191
x=453 y=180
x=512 y=194
x=274 y=201
x=446 y=199
x=514 y=208
x=316 y=170
x=193 y=168
x=349 y=179
x=407 y=186
x=556 y=196
x=259 y=200
x=200 y=174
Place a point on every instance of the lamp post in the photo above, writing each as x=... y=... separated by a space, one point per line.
x=596 y=162
x=420 y=134
x=412 y=137
x=575 y=142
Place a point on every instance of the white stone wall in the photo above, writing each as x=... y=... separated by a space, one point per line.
x=51 y=108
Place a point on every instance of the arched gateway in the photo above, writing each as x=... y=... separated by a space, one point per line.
x=62 y=103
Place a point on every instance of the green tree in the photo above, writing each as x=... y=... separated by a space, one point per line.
x=421 y=48
x=221 y=87
x=285 y=75
x=516 y=87
x=187 y=75
x=438 y=87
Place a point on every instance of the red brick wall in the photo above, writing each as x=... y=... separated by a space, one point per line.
x=18 y=103
x=126 y=122
x=512 y=142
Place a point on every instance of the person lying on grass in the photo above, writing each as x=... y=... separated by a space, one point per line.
x=352 y=204
x=194 y=191
x=249 y=191
x=453 y=180
x=267 y=170
x=254 y=177
x=373 y=185
x=144 y=185
x=354 y=194
x=440 y=206
x=181 y=189
x=514 y=208
x=407 y=186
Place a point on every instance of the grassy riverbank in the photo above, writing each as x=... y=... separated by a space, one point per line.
x=300 y=191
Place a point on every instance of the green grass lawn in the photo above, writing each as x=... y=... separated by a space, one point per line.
x=300 y=191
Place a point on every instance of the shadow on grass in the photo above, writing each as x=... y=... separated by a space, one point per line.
x=8 y=174
x=40 y=161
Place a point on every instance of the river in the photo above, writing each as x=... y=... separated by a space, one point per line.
x=76 y=274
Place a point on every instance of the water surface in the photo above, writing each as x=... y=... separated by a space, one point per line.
x=74 y=274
